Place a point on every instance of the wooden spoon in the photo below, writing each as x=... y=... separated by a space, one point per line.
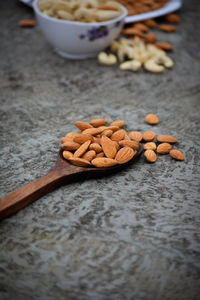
x=62 y=173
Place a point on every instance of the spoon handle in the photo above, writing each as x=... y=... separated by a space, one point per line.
x=21 y=197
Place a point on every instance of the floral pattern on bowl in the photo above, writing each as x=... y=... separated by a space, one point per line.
x=97 y=32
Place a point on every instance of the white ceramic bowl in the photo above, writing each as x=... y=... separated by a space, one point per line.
x=78 y=40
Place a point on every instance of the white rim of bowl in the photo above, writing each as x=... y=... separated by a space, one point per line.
x=123 y=15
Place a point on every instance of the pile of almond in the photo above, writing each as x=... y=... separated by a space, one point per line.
x=98 y=144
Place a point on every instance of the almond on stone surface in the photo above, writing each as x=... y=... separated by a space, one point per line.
x=150 y=146
x=118 y=123
x=150 y=156
x=151 y=119
x=176 y=154
x=164 y=148
x=148 y=136
x=166 y=139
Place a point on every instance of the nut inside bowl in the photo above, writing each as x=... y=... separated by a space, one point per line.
x=79 y=40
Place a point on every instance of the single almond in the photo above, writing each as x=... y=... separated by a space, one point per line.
x=82 y=149
x=167 y=139
x=150 y=156
x=97 y=140
x=164 y=46
x=100 y=154
x=124 y=155
x=82 y=138
x=93 y=131
x=135 y=135
x=164 y=148
x=176 y=154
x=89 y=155
x=167 y=28
x=140 y=26
x=150 y=37
x=172 y=18
x=126 y=137
x=67 y=154
x=118 y=123
x=96 y=147
x=151 y=23
x=80 y=162
x=98 y=122
x=27 y=23
x=70 y=145
x=133 y=31
x=148 y=136
x=126 y=143
x=108 y=146
x=104 y=162
x=151 y=119
x=150 y=146
x=118 y=135
x=107 y=132
x=82 y=125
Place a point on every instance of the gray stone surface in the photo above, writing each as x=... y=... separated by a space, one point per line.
x=134 y=235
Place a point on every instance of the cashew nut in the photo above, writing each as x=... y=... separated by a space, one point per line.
x=166 y=61
x=104 y=15
x=107 y=59
x=151 y=65
x=65 y=15
x=132 y=65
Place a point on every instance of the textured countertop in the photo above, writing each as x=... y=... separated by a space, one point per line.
x=134 y=235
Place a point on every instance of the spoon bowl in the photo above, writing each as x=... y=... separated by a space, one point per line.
x=62 y=173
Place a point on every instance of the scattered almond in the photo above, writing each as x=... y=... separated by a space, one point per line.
x=135 y=135
x=108 y=147
x=151 y=119
x=27 y=23
x=151 y=23
x=166 y=139
x=176 y=154
x=150 y=156
x=164 y=46
x=98 y=122
x=104 y=162
x=172 y=18
x=150 y=146
x=164 y=148
x=167 y=28
x=148 y=136
x=150 y=37
x=124 y=155
x=140 y=26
